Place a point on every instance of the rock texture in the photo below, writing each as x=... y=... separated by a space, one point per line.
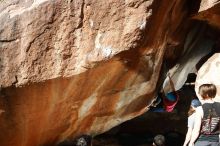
x=82 y=67
x=50 y=39
x=210 y=73
x=198 y=44
x=209 y=11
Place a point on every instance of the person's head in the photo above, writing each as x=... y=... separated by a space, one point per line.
x=84 y=140
x=159 y=140
x=194 y=104
x=207 y=91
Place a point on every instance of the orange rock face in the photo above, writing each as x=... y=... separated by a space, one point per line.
x=210 y=12
x=81 y=67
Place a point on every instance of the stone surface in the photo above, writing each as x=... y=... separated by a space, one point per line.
x=45 y=39
x=82 y=67
x=209 y=11
x=210 y=73
x=190 y=56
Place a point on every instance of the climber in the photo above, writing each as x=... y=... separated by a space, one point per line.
x=166 y=102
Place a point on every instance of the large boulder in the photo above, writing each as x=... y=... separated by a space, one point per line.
x=82 y=67
x=44 y=39
x=209 y=11
x=210 y=74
